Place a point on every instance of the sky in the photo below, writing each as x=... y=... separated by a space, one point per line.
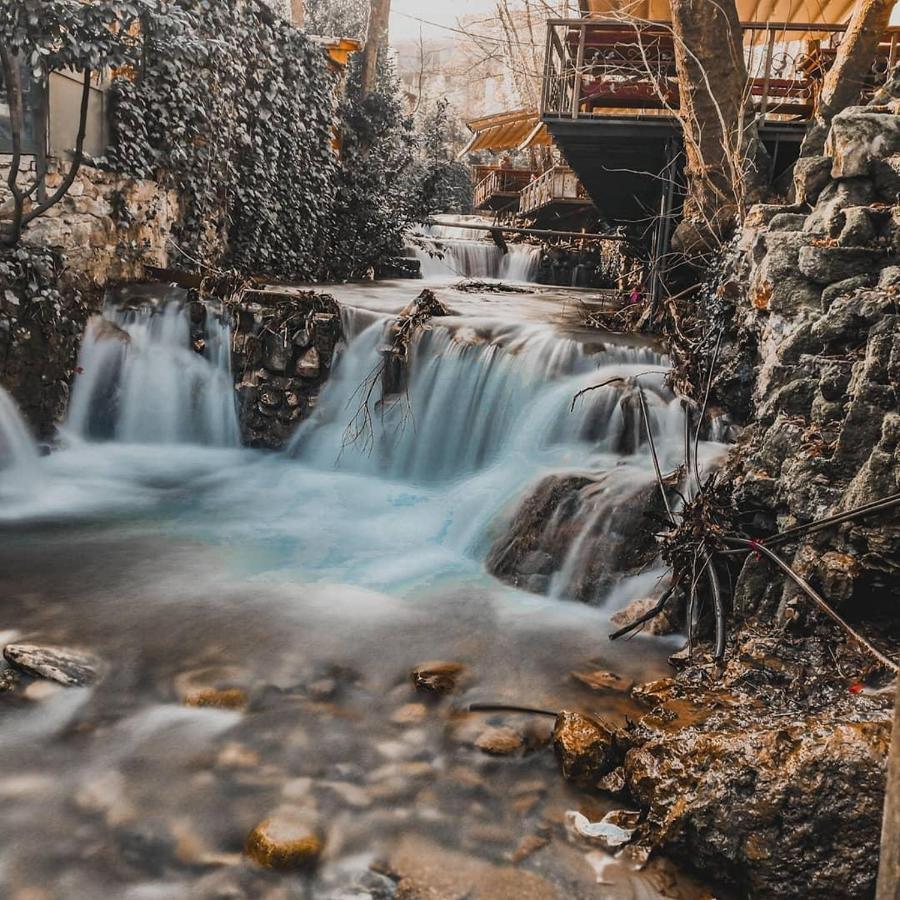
x=406 y=16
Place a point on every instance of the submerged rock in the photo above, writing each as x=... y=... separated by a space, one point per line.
x=284 y=841
x=218 y=687
x=600 y=680
x=64 y=665
x=500 y=741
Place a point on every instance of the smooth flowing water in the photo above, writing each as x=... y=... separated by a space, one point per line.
x=313 y=580
x=448 y=251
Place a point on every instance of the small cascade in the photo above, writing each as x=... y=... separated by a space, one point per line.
x=464 y=253
x=521 y=264
x=18 y=452
x=146 y=376
x=498 y=406
x=477 y=393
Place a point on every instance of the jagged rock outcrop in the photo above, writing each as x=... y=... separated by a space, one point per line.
x=814 y=368
x=284 y=346
x=770 y=772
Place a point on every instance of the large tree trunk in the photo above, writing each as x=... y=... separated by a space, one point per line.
x=726 y=165
x=846 y=78
x=376 y=43
x=889 y=870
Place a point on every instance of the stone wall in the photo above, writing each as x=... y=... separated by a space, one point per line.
x=107 y=226
x=284 y=344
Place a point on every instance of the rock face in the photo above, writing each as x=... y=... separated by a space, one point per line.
x=786 y=811
x=284 y=346
x=813 y=369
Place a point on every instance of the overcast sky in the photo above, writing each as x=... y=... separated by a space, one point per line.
x=406 y=16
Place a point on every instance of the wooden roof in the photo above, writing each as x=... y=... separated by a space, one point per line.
x=826 y=12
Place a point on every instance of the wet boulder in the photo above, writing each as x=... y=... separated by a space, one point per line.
x=783 y=810
x=586 y=747
x=64 y=665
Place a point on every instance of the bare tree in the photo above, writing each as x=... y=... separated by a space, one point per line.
x=726 y=163
x=847 y=77
x=376 y=43
x=24 y=208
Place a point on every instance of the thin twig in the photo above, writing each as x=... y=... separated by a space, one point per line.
x=646 y=617
x=817 y=598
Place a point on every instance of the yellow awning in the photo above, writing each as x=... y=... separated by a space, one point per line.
x=516 y=130
x=826 y=12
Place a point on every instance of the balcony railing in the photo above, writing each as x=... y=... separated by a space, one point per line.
x=500 y=187
x=613 y=67
x=557 y=185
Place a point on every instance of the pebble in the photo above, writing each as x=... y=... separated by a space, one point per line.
x=284 y=841
x=64 y=665
x=602 y=681
x=410 y=714
x=528 y=846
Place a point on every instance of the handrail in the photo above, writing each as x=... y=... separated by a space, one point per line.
x=581 y=75
x=633 y=21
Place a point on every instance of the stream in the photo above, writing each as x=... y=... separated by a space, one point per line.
x=313 y=581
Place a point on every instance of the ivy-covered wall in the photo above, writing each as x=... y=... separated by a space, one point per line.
x=238 y=113
x=242 y=113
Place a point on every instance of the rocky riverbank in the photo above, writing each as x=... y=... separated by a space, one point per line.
x=768 y=769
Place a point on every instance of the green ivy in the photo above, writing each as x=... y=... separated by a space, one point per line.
x=239 y=117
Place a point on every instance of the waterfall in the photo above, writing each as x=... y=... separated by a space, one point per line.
x=477 y=393
x=148 y=374
x=18 y=452
x=490 y=405
x=464 y=253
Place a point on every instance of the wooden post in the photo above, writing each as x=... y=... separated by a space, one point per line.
x=770 y=55
x=376 y=42
x=298 y=13
x=889 y=869
x=579 y=65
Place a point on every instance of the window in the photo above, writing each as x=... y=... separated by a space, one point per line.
x=31 y=107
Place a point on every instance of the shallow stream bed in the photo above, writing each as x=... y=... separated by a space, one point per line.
x=309 y=584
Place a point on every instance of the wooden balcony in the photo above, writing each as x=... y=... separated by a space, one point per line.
x=558 y=188
x=596 y=67
x=498 y=188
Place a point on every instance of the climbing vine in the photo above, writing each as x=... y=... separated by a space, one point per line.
x=239 y=116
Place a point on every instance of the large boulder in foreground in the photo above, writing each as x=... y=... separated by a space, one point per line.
x=792 y=811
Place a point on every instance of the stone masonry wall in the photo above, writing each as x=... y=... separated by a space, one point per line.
x=107 y=226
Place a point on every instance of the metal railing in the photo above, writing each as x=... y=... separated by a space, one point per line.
x=557 y=185
x=620 y=67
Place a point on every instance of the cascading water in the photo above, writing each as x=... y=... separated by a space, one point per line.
x=464 y=253
x=310 y=584
x=143 y=381
x=18 y=453
x=489 y=405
